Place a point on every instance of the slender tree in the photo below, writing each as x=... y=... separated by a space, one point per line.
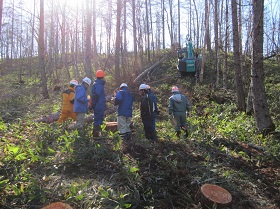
x=261 y=111
x=206 y=37
x=94 y=35
x=241 y=105
x=147 y=30
x=88 y=54
x=41 y=52
x=134 y=31
x=1 y=10
x=226 y=47
x=118 y=41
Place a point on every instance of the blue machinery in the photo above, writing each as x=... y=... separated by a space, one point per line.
x=188 y=64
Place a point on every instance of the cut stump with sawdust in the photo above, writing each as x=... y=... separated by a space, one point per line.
x=213 y=195
x=57 y=205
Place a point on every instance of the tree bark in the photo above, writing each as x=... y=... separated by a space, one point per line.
x=226 y=48
x=88 y=54
x=237 y=65
x=1 y=10
x=261 y=111
x=41 y=53
x=206 y=37
x=118 y=42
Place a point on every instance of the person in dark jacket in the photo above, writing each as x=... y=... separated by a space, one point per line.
x=155 y=107
x=177 y=106
x=67 y=110
x=147 y=113
x=98 y=101
x=81 y=102
x=124 y=100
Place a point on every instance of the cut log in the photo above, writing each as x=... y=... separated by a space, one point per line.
x=57 y=205
x=89 y=118
x=213 y=195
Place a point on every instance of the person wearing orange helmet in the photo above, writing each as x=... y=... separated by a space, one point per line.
x=177 y=106
x=68 y=103
x=98 y=103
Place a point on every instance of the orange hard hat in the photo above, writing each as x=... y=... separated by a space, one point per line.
x=99 y=74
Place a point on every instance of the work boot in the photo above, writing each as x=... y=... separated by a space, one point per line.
x=128 y=135
x=178 y=134
x=96 y=132
x=124 y=136
x=154 y=136
x=186 y=133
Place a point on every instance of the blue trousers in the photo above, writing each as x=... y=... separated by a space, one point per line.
x=98 y=117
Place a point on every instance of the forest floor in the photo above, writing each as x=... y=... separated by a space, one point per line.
x=43 y=163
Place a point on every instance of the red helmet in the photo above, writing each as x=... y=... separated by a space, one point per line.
x=74 y=82
x=100 y=74
x=175 y=89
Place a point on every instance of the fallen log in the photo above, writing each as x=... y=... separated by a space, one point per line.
x=55 y=116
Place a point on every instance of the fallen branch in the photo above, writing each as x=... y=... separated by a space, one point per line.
x=141 y=75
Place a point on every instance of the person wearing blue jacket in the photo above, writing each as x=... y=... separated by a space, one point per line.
x=98 y=103
x=81 y=102
x=124 y=100
x=177 y=106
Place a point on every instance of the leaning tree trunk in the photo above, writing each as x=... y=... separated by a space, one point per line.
x=41 y=53
x=261 y=111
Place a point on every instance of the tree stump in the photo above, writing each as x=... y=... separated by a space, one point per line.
x=57 y=205
x=213 y=195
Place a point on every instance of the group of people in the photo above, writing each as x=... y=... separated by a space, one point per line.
x=76 y=104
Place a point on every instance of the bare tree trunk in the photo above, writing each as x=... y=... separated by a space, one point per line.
x=95 y=53
x=124 y=32
x=261 y=111
x=1 y=10
x=179 y=24
x=88 y=54
x=240 y=37
x=118 y=41
x=226 y=49
x=148 y=31
x=241 y=105
x=134 y=32
x=206 y=37
x=151 y=29
x=41 y=52
x=171 y=24
x=163 y=23
x=216 y=36
x=197 y=25
x=77 y=74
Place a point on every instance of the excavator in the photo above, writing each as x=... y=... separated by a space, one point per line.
x=188 y=63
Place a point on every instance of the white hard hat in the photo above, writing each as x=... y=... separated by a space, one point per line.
x=74 y=82
x=175 y=89
x=123 y=85
x=87 y=80
x=143 y=86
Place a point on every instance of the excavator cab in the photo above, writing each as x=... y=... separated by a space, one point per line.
x=188 y=64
